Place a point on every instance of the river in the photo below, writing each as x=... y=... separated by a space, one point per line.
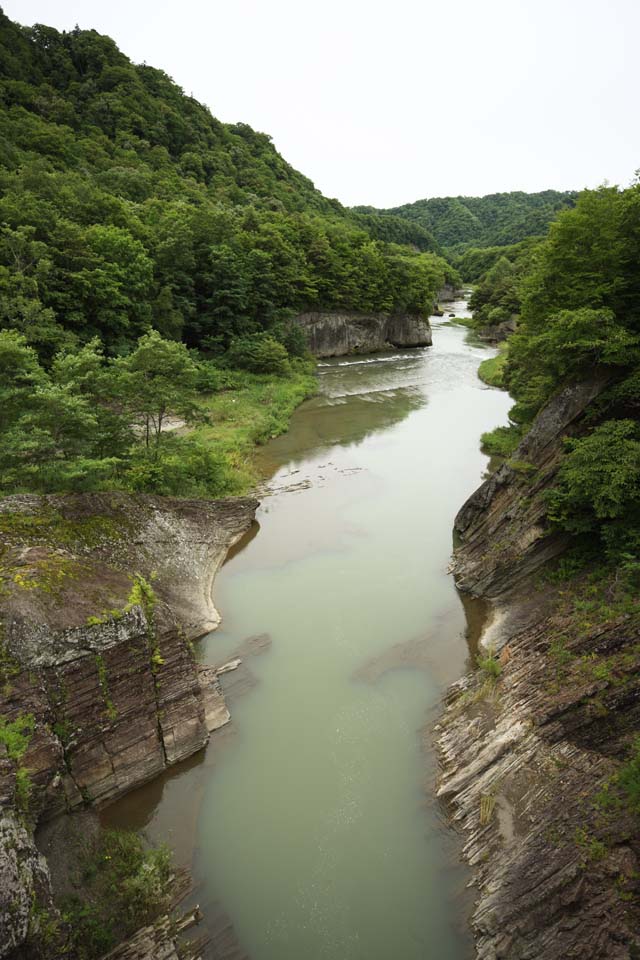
x=310 y=820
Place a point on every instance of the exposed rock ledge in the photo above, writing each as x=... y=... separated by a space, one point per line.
x=104 y=665
x=523 y=759
x=339 y=334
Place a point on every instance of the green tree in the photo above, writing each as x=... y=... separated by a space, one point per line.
x=157 y=379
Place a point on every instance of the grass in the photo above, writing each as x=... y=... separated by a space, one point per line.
x=463 y=322
x=491 y=371
x=502 y=441
x=250 y=410
x=490 y=664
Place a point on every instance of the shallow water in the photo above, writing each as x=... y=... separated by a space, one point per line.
x=312 y=816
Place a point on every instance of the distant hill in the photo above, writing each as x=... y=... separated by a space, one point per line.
x=495 y=220
x=125 y=204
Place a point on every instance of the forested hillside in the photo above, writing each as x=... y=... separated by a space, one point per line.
x=126 y=204
x=146 y=250
x=494 y=220
x=577 y=299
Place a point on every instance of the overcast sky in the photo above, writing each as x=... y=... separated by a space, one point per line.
x=385 y=103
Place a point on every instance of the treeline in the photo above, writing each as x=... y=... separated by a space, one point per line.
x=577 y=298
x=498 y=219
x=125 y=205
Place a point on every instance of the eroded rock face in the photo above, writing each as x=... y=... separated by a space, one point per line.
x=502 y=528
x=24 y=879
x=448 y=294
x=100 y=596
x=523 y=765
x=339 y=334
x=525 y=757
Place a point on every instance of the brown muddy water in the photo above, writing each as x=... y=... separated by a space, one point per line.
x=310 y=822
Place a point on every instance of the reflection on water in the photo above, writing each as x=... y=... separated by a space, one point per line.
x=309 y=816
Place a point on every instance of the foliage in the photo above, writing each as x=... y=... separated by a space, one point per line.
x=492 y=369
x=599 y=479
x=258 y=354
x=475 y=262
x=121 y=887
x=251 y=409
x=124 y=204
x=495 y=300
x=490 y=664
x=145 y=249
x=497 y=219
x=502 y=441
x=576 y=297
x=15 y=736
x=157 y=379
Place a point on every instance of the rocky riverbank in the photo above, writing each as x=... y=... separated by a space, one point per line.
x=100 y=598
x=531 y=743
x=340 y=334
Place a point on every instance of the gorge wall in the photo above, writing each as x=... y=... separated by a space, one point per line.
x=530 y=748
x=100 y=598
x=339 y=334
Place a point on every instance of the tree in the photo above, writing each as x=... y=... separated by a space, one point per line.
x=157 y=379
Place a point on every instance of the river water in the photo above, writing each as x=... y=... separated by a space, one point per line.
x=310 y=820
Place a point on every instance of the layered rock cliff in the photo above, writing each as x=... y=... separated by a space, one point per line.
x=530 y=744
x=339 y=334
x=100 y=597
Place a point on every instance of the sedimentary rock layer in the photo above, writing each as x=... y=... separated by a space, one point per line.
x=339 y=334
x=526 y=757
x=100 y=596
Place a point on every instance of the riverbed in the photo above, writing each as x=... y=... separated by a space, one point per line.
x=309 y=822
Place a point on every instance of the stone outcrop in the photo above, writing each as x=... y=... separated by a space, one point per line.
x=502 y=524
x=340 y=334
x=448 y=293
x=497 y=332
x=527 y=756
x=100 y=597
x=161 y=941
x=24 y=880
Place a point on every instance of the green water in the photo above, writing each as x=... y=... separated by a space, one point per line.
x=312 y=817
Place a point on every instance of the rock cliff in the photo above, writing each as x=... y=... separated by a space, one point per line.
x=100 y=597
x=530 y=748
x=339 y=334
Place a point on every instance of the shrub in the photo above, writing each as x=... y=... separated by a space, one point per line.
x=502 y=441
x=490 y=664
x=181 y=467
x=259 y=354
x=599 y=480
x=121 y=887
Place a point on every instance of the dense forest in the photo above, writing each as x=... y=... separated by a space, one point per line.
x=576 y=298
x=498 y=219
x=127 y=211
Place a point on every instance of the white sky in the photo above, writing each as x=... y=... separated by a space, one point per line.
x=385 y=103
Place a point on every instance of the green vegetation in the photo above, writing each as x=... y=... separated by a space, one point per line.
x=502 y=441
x=475 y=262
x=491 y=371
x=250 y=409
x=145 y=248
x=495 y=220
x=490 y=664
x=580 y=318
x=15 y=736
x=120 y=887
